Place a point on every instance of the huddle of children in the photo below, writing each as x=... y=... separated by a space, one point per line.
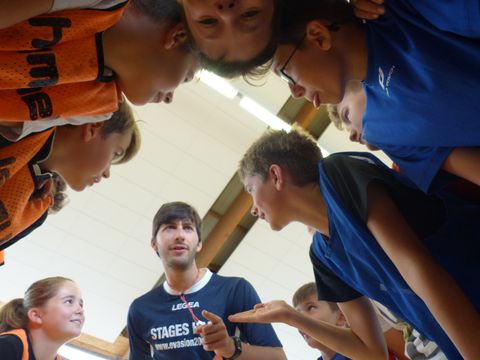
x=406 y=82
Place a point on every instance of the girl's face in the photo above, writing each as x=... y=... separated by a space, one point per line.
x=312 y=69
x=62 y=316
x=229 y=30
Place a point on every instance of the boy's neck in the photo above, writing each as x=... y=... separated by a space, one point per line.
x=308 y=207
x=181 y=280
x=351 y=42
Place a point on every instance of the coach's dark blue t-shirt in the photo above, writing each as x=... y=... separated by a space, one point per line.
x=160 y=322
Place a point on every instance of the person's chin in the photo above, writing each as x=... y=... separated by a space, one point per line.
x=275 y=226
x=77 y=186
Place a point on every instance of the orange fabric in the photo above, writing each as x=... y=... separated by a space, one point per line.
x=86 y=98
x=2 y=258
x=18 y=210
x=54 y=50
x=22 y=334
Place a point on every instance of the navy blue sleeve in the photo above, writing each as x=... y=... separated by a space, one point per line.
x=11 y=347
x=139 y=348
x=460 y=17
x=245 y=298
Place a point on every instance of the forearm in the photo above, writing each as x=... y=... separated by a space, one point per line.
x=433 y=284
x=341 y=340
x=17 y=11
x=465 y=163
x=254 y=352
x=454 y=312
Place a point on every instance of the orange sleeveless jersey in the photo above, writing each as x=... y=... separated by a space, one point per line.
x=18 y=208
x=22 y=335
x=52 y=65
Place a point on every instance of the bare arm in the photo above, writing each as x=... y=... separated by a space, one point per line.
x=216 y=338
x=17 y=11
x=364 y=340
x=465 y=163
x=396 y=343
x=455 y=313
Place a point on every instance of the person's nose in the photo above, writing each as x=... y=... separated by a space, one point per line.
x=297 y=91
x=225 y=5
x=168 y=98
x=254 y=210
x=106 y=173
x=354 y=136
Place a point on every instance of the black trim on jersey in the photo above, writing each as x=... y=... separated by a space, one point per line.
x=25 y=232
x=41 y=155
x=352 y=174
x=101 y=60
x=329 y=286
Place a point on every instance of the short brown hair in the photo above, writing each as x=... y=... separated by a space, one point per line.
x=304 y=292
x=13 y=315
x=121 y=122
x=296 y=151
x=174 y=211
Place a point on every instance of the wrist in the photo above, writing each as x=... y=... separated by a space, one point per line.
x=235 y=349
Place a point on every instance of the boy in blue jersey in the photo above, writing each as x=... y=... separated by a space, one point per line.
x=421 y=105
x=186 y=316
x=378 y=237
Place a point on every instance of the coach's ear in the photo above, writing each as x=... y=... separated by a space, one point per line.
x=153 y=244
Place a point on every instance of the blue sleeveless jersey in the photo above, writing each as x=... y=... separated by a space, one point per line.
x=354 y=255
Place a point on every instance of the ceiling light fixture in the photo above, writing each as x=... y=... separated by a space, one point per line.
x=263 y=114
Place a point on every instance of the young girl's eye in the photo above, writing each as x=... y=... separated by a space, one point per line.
x=208 y=21
x=250 y=14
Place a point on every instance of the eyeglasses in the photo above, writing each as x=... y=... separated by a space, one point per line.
x=283 y=75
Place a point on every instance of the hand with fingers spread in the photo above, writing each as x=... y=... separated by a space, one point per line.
x=368 y=9
x=215 y=336
x=270 y=312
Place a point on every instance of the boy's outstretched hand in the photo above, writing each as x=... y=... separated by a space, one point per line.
x=368 y=9
x=270 y=312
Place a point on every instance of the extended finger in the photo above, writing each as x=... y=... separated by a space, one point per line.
x=211 y=317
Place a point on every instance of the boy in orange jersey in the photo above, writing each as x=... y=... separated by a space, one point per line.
x=81 y=155
x=77 y=61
